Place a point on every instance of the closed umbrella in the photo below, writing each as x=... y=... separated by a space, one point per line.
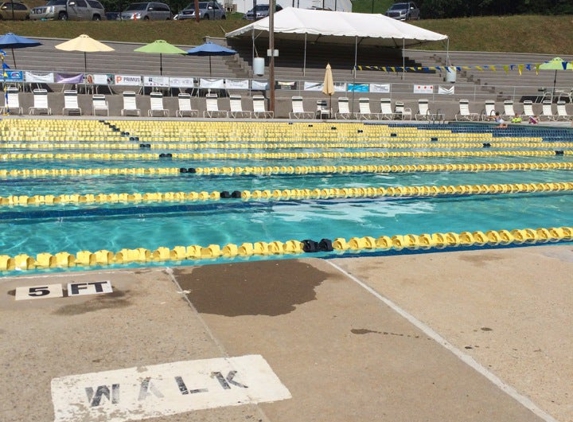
x=160 y=47
x=328 y=86
x=210 y=49
x=85 y=44
x=555 y=64
x=13 y=41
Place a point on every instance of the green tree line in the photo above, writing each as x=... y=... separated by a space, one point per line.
x=443 y=9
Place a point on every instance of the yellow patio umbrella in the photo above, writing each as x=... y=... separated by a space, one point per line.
x=328 y=85
x=85 y=44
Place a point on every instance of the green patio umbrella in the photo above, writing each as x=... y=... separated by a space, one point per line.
x=160 y=47
x=556 y=64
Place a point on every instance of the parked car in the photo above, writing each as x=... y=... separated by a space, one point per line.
x=90 y=10
x=14 y=11
x=147 y=11
x=403 y=11
x=260 y=11
x=207 y=10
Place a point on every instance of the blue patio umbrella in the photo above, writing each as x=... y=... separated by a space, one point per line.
x=210 y=49
x=13 y=41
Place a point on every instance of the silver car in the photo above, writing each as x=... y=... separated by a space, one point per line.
x=403 y=11
x=147 y=11
x=207 y=10
x=90 y=10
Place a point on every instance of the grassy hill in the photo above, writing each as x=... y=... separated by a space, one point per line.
x=535 y=34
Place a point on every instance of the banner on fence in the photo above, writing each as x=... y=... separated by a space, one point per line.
x=259 y=85
x=423 y=89
x=64 y=78
x=446 y=91
x=182 y=82
x=45 y=78
x=132 y=80
x=358 y=87
x=212 y=83
x=381 y=88
x=158 y=81
x=237 y=84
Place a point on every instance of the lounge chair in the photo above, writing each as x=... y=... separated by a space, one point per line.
x=212 y=105
x=489 y=110
x=562 y=111
x=465 y=114
x=185 y=107
x=71 y=102
x=343 y=109
x=401 y=112
x=259 y=108
x=156 y=105
x=298 y=109
x=40 y=102
x=236 y=104
x=99 y=105
x=130 y=104
x=12 y=101
x=322 y=109
x=528 y=108
x=386 y=112
x=364 y=112
x=508 y=110
x=424 y=112
x=547 y=111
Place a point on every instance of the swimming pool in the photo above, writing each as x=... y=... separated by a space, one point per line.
x=201 y=192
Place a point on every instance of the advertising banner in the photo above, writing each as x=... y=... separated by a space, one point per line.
x=132 y=80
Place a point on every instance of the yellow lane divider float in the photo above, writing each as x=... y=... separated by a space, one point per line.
x=287 y=194
x=176 y=145
x=283 y=170
x=281 y=155
x=424 y=241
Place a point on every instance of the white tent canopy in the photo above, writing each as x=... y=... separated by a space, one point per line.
x=339 y=28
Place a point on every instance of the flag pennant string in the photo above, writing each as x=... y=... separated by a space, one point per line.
x=520 y=67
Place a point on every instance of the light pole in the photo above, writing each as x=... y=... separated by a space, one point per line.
x=272 y=58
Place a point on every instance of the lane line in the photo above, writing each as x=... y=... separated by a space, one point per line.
x=464 y=357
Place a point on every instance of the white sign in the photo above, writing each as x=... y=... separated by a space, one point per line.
x=36 y=77
x=382 y=88
x=236 y=84
x=167 y=389
x=127 y=80
x=212 y=83
x=39 y=292
x=182 y=82
x=161 y=81
x=446 y=90
x=101 y=79
x=423 y=89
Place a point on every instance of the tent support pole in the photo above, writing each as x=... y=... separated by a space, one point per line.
x=403 y=58
x=447 y=51
x=304 y=58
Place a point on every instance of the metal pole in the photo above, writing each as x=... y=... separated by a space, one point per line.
x=272 y=58
x=304 y=58
x=403 y=58
x=12 y=4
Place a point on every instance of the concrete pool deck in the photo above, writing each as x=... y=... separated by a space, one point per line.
x=455 y=336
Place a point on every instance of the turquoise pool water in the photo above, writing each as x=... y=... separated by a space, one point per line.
x=73 y=227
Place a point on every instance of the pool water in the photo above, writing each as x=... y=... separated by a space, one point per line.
x=35 y=229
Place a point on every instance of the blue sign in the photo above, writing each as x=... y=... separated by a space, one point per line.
x=358 y=87
x=13 y=76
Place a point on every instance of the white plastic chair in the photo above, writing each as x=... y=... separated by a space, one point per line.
x=156 y=105
x=99 y=104
x=298 y=109
x=236 y=104
x=71 y=102
x=259 y=108
x=343 y=109
x=185 y=107
x=130 y=104
x=528 y=108
x=465 y=113
x=212 y=107
x=386 y=112
x=489 y=110
x=547 y=111
x=508 y=110
x=40 y=102
x=402 y=112
x=562 y=111
x=364 y=112
x=424 y=112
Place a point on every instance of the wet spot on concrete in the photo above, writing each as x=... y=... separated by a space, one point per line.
x=253 y=288
x=486 y=329
x=480 y=259
x=11 y=292
x=364 y=331
x=117 y=299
